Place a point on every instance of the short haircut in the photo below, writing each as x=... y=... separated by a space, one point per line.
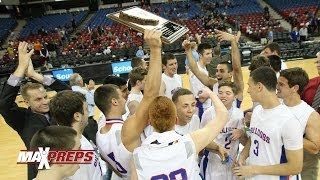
x=259 y=61
x=29 y=86
x=162 y=113
x=65 y=104
x=217 y=50
x=203 y=46
x=136 y=74
x=55 y=137
x=75 y=79
x=118 y=81
x=230 y=84
x=228 y=64
x=273 y=47
x=180 y=92
x=166 y=57
x=136 y=62
x=266 y=76
x=103 y=96
x=296 y=76
x=275 y=62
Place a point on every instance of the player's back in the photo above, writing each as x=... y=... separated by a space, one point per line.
x=166 y=155
x=112 y=149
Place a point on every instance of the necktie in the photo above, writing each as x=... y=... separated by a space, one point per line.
x=316 y=99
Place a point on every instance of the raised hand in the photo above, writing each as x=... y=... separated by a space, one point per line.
x=224 y=36
x=152 y=38
x=91 y=84
x=24 y=59
x=186 y=44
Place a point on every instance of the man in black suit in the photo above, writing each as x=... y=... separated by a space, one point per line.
x=27 y=121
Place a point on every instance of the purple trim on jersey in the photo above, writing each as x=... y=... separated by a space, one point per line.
x=238 y=103
x=114 y=120
x=283 y=159
x=199 y=105
x=205 y=163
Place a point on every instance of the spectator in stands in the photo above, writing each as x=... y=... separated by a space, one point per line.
x=140 y=52
x=10 y=51
x=294 y=35
x=37 y=47
x=194 y=52
x=270 y=35
x=46 y=66
x=303 y=33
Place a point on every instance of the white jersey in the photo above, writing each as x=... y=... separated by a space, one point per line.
x=135 y=97
x=302 y=112
x=172 y=84
x=112 y=149
x=167 y=155
x=196 y=85
x=88 y=171
x=273 y=131
x=211 y=166
x=193 y=125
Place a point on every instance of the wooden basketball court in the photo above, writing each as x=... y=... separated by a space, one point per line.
x=10 y=142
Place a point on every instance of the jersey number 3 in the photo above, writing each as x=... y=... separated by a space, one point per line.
x=256 y=150
x=177 y=174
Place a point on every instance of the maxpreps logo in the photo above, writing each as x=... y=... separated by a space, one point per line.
x=44 y=157
x=121 y=67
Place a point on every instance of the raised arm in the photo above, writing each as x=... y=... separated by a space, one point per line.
x=311 y=142
x=13 y=115
x=205 y=135
x=136 y=123
x=236 y=59
x=206 y=80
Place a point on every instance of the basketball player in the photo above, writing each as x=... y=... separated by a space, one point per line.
x=225 y=70
x=57 y=138
x=290 y=85
x=166 y=154
x=70 y=108
x=137 y=78
x=171 y=81
x=214 y=168
x=273 y=49
x=117 y=139
x=205 y=54
x=185 y=104
x=275 y=146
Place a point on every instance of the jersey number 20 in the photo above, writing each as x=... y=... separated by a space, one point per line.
x=172 y=176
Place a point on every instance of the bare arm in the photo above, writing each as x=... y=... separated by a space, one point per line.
x=206 y=80
x=244 y=153
x=292 y=167
x=162 y=88
x=311 y=142
x=236 y=59
x=135 y=124
x=134 y=175
x=132 y=106
x=205 y=135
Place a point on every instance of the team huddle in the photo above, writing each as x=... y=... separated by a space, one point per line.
x=160 y=130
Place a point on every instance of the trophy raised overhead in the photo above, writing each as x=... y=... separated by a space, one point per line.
x=140 y=19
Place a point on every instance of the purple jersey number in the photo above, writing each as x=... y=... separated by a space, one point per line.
x=177 y=174
x=256 y=150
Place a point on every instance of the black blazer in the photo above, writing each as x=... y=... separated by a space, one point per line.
x=23 y=120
